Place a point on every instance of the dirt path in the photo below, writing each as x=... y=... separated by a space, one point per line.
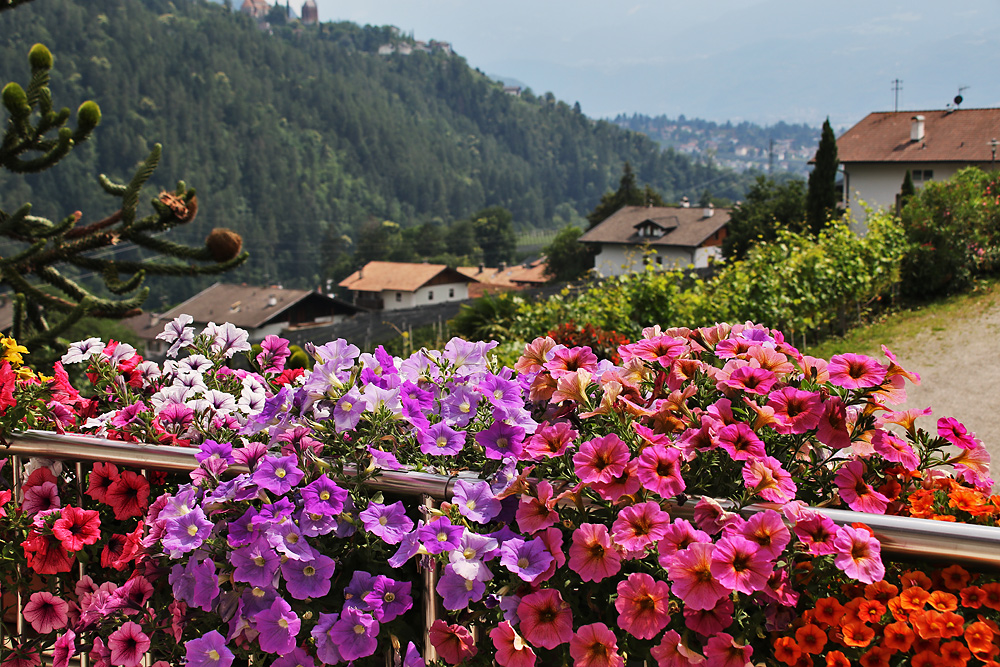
x=958 y=360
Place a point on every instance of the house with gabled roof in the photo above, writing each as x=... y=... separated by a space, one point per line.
x=932 y=145
x=398 y=285
x=665 y=236
x=259 y=310
x=504 y=278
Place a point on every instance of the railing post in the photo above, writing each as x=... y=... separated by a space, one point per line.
x=430 y=595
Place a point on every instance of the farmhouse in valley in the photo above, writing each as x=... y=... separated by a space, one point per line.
x=398 y=285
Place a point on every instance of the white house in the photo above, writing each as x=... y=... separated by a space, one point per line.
x=666 y=236
x=933 y=145
x=398 y=285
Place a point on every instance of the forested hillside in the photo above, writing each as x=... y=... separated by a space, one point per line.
x=303 y=135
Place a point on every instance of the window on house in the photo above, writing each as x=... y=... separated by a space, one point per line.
x=430 y=295
x=928 y=174
x=451 y=292
x=659 y=260
x=399 y=296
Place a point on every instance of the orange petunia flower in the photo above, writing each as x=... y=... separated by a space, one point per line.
x=837 y=659
x=922 y=504
x=857 y=633
x=943 y=601
x=955 y=577
x=875 y=657
x=972 y=597
x=787 y=651
x=926 y=659
x=950 y=624
x=967 y=500
x=991 y=595
x=895 y=606
x=828 y=611
x=954 y=654
x=914 y=578
x=945 y=517
x=979 y=637
x=897 y=636
x=923 y=624
x=882 y=591
x=871 y=611
x=810 y=639
x=913 y=598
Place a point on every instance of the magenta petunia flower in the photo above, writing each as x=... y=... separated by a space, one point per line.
x=673 y=652
x=77 y=527
x=209 y=650
x=708 y=622
x=659 y=470
x=601 y=459
x=768 y=530
x=277 y=628
x=855 y=371
x=625 y=484
x=859 y=554
x=40 y=497
x=643 y=605
x=690 y=570
x=297 y=658
x=740 y=565
x=475 y=501
x=308 y=578
x=722 y=650
x=46 y=612
x=592 y=555
x=549 y=441
x=740 y=442
x=501 y=440
x=795 y=411
x=751 y=379
x=128 y=644
x=639 y=526
x=454 y=642
x=858 y=494
x=546 y=619
x=595 y=645
x=440 y=535
x=64 y=649
x=765 y=477
x=893 y=448
x=833 y=430
x=511 y=649
x=955 y=432
x=678 y=535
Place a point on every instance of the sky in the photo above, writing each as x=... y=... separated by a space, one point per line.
x=758 y=60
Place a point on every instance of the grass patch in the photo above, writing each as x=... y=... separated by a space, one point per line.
x=895 y=328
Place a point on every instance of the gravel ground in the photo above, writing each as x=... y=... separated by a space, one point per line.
x=959 y=368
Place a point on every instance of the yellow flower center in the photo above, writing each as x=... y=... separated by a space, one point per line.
x=282 y=622
x=280 y=473
x=192 y=530
x=389 y=597
x=347 y=406
x=309 y=570
x=324 y=495
x=214 y=655
x=359 y=629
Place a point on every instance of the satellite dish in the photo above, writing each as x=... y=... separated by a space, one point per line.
x=958 y=100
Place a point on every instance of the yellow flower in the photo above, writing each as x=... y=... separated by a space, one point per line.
x=12 y=351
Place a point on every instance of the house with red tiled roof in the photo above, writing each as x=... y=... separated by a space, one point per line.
x=933 y=145
x=505 y=278
x=665 y=236
x=255 y=8
x=398 y=285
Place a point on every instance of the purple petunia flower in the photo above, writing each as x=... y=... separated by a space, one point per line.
x=289 y=541
x=326 y=647
x=388 y=522
x=195 y=583
x=501 y=440
x=297 y=658
x=458 y=407
x=274 y=353
x=362 y=583
x=468 y=560
x=440 y=535
x=355 y=634
x=209 y=650
x=348 y=410
x=389 y=598
x=525 y=559
x=408 y=548
x=308 y=579
x=256 y=564
x=278 y=474
x=456 y=591
x=278 y=627
x=411 y=658
x=186 y=533
x=218 y=450
x=440 y=439
x=475 y=501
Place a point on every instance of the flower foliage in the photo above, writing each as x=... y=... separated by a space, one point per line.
x=602 y=510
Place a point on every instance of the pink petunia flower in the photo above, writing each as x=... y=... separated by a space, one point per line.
x=740 y=442
x=643 y=605
x=769 y=531
x=673 y=652
x=595 y=645
x=601 y=459
x=592 y=555
x=639 y=526
x=625 y=484
x=855 y=371
x=765 y=477
x=546 y=620
x=549 y=441
x=46 y=612
x=453 y=642
x=723 y=651
x=740 y=565
x=128 y=644
x=535 y=513
x=973 y=466
x=659 y=470
x=858 y=494
x=795 y=411
x=690 y=570
x=955 y=432
x=64 y=649
x=511 y=650
x=707 y=622
x=816 y=531
x=679 y=535
x=859 y=555
x=832 y=430
x=893 y=448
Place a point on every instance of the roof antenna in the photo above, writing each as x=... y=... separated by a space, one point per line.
x=959 y=98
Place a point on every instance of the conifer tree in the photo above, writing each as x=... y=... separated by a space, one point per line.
x=907 y=190
x=627 y=194
x=47 y=299
x=821 y=198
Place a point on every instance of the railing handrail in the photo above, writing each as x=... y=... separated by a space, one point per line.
x=898 y=535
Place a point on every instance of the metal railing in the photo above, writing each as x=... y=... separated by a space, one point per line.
x=903 y=537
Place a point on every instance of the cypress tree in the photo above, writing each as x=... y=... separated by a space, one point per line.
x=821 y=198
x=907 y=190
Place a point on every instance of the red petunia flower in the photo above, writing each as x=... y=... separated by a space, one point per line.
x=128 y=495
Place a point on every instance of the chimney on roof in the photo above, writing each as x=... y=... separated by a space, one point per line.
x=272 y=301
x=709 y=210
x=685 y=202
x=481 y=268
x=917 y=128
